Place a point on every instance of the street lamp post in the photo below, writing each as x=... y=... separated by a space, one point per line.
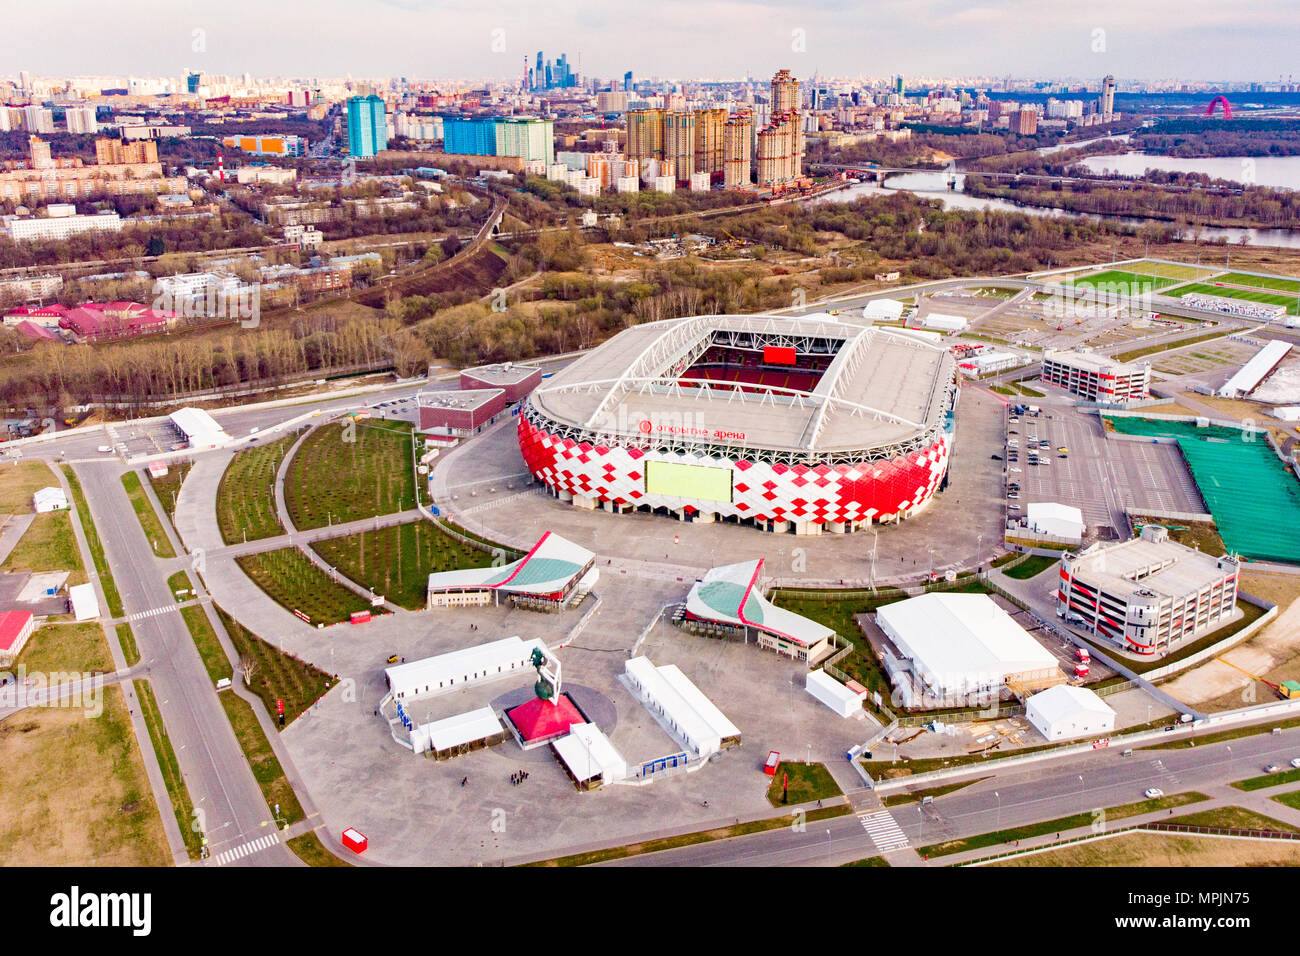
x=875 y=541
x=999 y=800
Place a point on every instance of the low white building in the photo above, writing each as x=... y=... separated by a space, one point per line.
x=944 y=323
x=1064 y=713
x=199 y=428
x=832 y=693
x=458 y=734
x=456 y=670
x=50 y=499
x=1057 y=520
x=589 y=757
x=690 y=715
x=85 y=606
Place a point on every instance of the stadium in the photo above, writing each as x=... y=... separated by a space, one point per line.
x=798 y=424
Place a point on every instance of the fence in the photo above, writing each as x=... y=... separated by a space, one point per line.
x=989 y=713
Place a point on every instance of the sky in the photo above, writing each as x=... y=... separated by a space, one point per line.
x=1192 y=40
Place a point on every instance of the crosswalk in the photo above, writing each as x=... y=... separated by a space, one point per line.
x=152 y=612
x=884 y=831
x=244 y=849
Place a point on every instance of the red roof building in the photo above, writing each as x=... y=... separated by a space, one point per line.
x=540 y=720
x=15 y=628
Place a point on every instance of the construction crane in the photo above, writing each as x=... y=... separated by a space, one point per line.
x=1277 y=689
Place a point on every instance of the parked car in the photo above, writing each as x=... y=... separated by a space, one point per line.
x=1272 y=768
x=1295 y=762
x=1153 y=793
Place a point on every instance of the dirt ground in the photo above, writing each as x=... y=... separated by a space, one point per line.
x=1152 y=849
x=1273 y=653
x=75 y=790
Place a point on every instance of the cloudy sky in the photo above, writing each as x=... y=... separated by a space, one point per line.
x=1140 y=39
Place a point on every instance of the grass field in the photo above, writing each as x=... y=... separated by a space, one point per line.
x=1202 y=535
x=346 y=472
x=1123 y=281
x=293 y=582
x=1235 y=818
x=807 y=782
x=168 y=487
x=396 y=561
x=68 y=647
x=48 y=545
x=1291 y=302
x=205 y=639
x=179 y=583
x=266 y=768
x=149 y=520
x=311 y=851
x=96 y=546
x=246 y=494
x=915 y=796
x=126 y=637
x=1260 y=282
x=1132 y=354
x=1291 y=799
x=691 y=839
x=1264 y=781
x=276 y=675
x=21 y=480
x=75 y=791
x=177 y=792
x=869 y=861
x=1165 y=850
x=1031 y=568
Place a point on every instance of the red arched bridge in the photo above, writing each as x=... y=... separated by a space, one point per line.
x=1217 y=101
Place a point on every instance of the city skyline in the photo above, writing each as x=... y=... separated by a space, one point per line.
x=1153 y=41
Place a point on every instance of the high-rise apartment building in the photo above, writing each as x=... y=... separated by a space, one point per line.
x=1107 y=104
x=780 y=148
x=645 y=134
x=737 y=150
x=709 y=126
x=367 y=125
x=81 y=119
x=115 y=152
x=679 y=143
x=37 y=119
x=40 y=153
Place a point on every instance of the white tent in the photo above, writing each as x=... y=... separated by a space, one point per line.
x=199 y=428
x=85 y=606
x=883 y=310
x=458 y=669
x=945 y=323
x=50 y=499
x=963 y=644
x=1060 y=521
x=456 y=731
x=1064 y=712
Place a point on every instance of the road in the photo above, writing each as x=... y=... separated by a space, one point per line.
x=1008 y=798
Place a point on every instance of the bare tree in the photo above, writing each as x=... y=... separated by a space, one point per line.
x=247 y=665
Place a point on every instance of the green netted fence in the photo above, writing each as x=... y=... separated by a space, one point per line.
x=1254 y=498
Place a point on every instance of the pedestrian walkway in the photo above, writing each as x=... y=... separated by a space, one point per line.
x=884 y=831
x=152 y=612
x=244 y=849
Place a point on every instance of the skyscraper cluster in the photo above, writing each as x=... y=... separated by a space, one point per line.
x=552 y=74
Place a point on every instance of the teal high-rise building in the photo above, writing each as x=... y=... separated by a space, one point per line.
x=367 y=125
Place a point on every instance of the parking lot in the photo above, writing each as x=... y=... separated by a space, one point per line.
x=1102 y=478
x=135 y=439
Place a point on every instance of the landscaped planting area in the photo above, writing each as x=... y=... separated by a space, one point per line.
x=350 y=470
x=246 y=495
x=168 y=487
x=397 y=561
x=292 y=581
x=276 y=675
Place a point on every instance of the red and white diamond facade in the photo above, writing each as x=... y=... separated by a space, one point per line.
x=787 y=423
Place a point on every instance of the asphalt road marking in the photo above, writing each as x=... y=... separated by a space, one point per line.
x=884 y=831
x=152 y=612
x=244 y=849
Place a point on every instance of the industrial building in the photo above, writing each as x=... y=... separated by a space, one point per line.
x=462 y=668
x=461 y=413
x=1064 y=712
x=728 y=600
x=554 y=571
x=681 y=706
x=516 y=380
x=1147 y=594
x=963 y=647
x=1096 y=378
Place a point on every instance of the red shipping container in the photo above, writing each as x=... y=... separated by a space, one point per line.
x=779 y=355
x=355 y=840
x=360 y=617
x=773 y=761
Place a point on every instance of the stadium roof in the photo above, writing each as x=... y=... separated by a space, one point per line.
x=548 y=567
x=882 y=387
x=730 y=595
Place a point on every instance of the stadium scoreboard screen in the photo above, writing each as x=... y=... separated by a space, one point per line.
x=701 y=482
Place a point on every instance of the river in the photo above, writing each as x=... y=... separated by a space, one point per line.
x=1279 y=172
x=935 y=186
